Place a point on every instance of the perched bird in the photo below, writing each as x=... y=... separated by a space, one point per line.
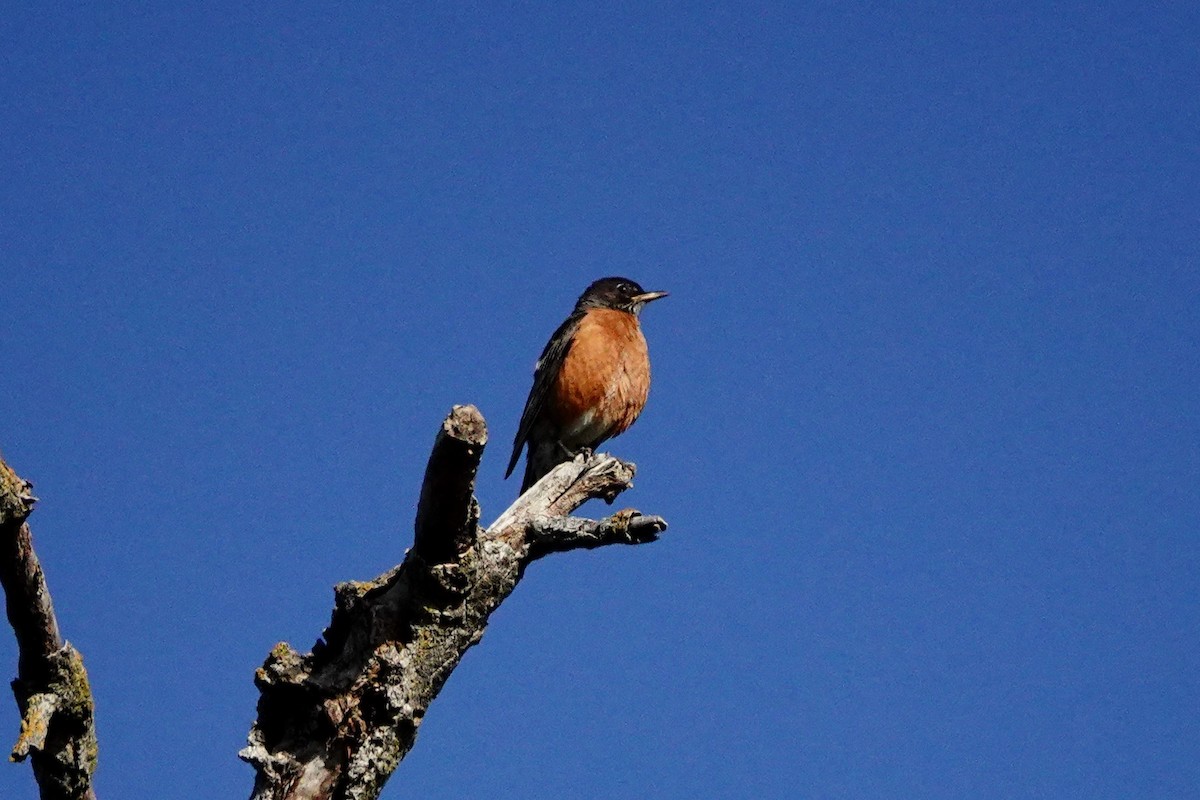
x=591 y=380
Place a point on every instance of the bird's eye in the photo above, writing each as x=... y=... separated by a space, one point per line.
x=625 y=288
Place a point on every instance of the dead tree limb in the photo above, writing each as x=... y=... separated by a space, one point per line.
x=58 y=732
x=334 y=723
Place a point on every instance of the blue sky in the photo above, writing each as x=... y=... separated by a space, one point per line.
x=924 y=419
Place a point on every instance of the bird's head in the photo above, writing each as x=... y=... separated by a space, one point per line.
x=620 y=294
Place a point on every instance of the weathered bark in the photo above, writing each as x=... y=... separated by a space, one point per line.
x=447 y=514
x=334 y=723
x=58 y=731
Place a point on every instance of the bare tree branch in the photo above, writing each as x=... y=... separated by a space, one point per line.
x=334 y=723
x=55 y=700
x=559 y=534
x=447 y=513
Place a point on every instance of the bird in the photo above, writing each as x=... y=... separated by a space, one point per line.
x=591 y=381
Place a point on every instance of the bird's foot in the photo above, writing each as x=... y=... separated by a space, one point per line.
x=579 y=453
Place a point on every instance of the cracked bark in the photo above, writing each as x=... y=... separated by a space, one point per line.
x=58 y=732
x=335 y=723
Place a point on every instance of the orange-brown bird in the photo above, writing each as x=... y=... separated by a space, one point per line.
x=591 y=380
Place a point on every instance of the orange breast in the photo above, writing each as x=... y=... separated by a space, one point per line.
x=605 y=378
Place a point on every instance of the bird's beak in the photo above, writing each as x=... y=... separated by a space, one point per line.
x=646 y=297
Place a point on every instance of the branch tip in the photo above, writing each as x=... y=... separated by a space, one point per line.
x=467 y=425
x=447 y=513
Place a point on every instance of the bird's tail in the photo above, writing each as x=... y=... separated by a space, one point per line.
x=541 y=458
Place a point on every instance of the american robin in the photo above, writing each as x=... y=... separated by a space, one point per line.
x=591 y=380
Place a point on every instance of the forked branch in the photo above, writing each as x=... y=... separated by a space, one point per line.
x=334 y=723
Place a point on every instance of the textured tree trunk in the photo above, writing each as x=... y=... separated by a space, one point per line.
x=58 y=731
x=334 y=723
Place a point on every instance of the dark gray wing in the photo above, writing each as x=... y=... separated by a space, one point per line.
x=544 y=373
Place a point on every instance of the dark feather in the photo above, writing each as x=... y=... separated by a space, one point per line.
x=544 y=374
